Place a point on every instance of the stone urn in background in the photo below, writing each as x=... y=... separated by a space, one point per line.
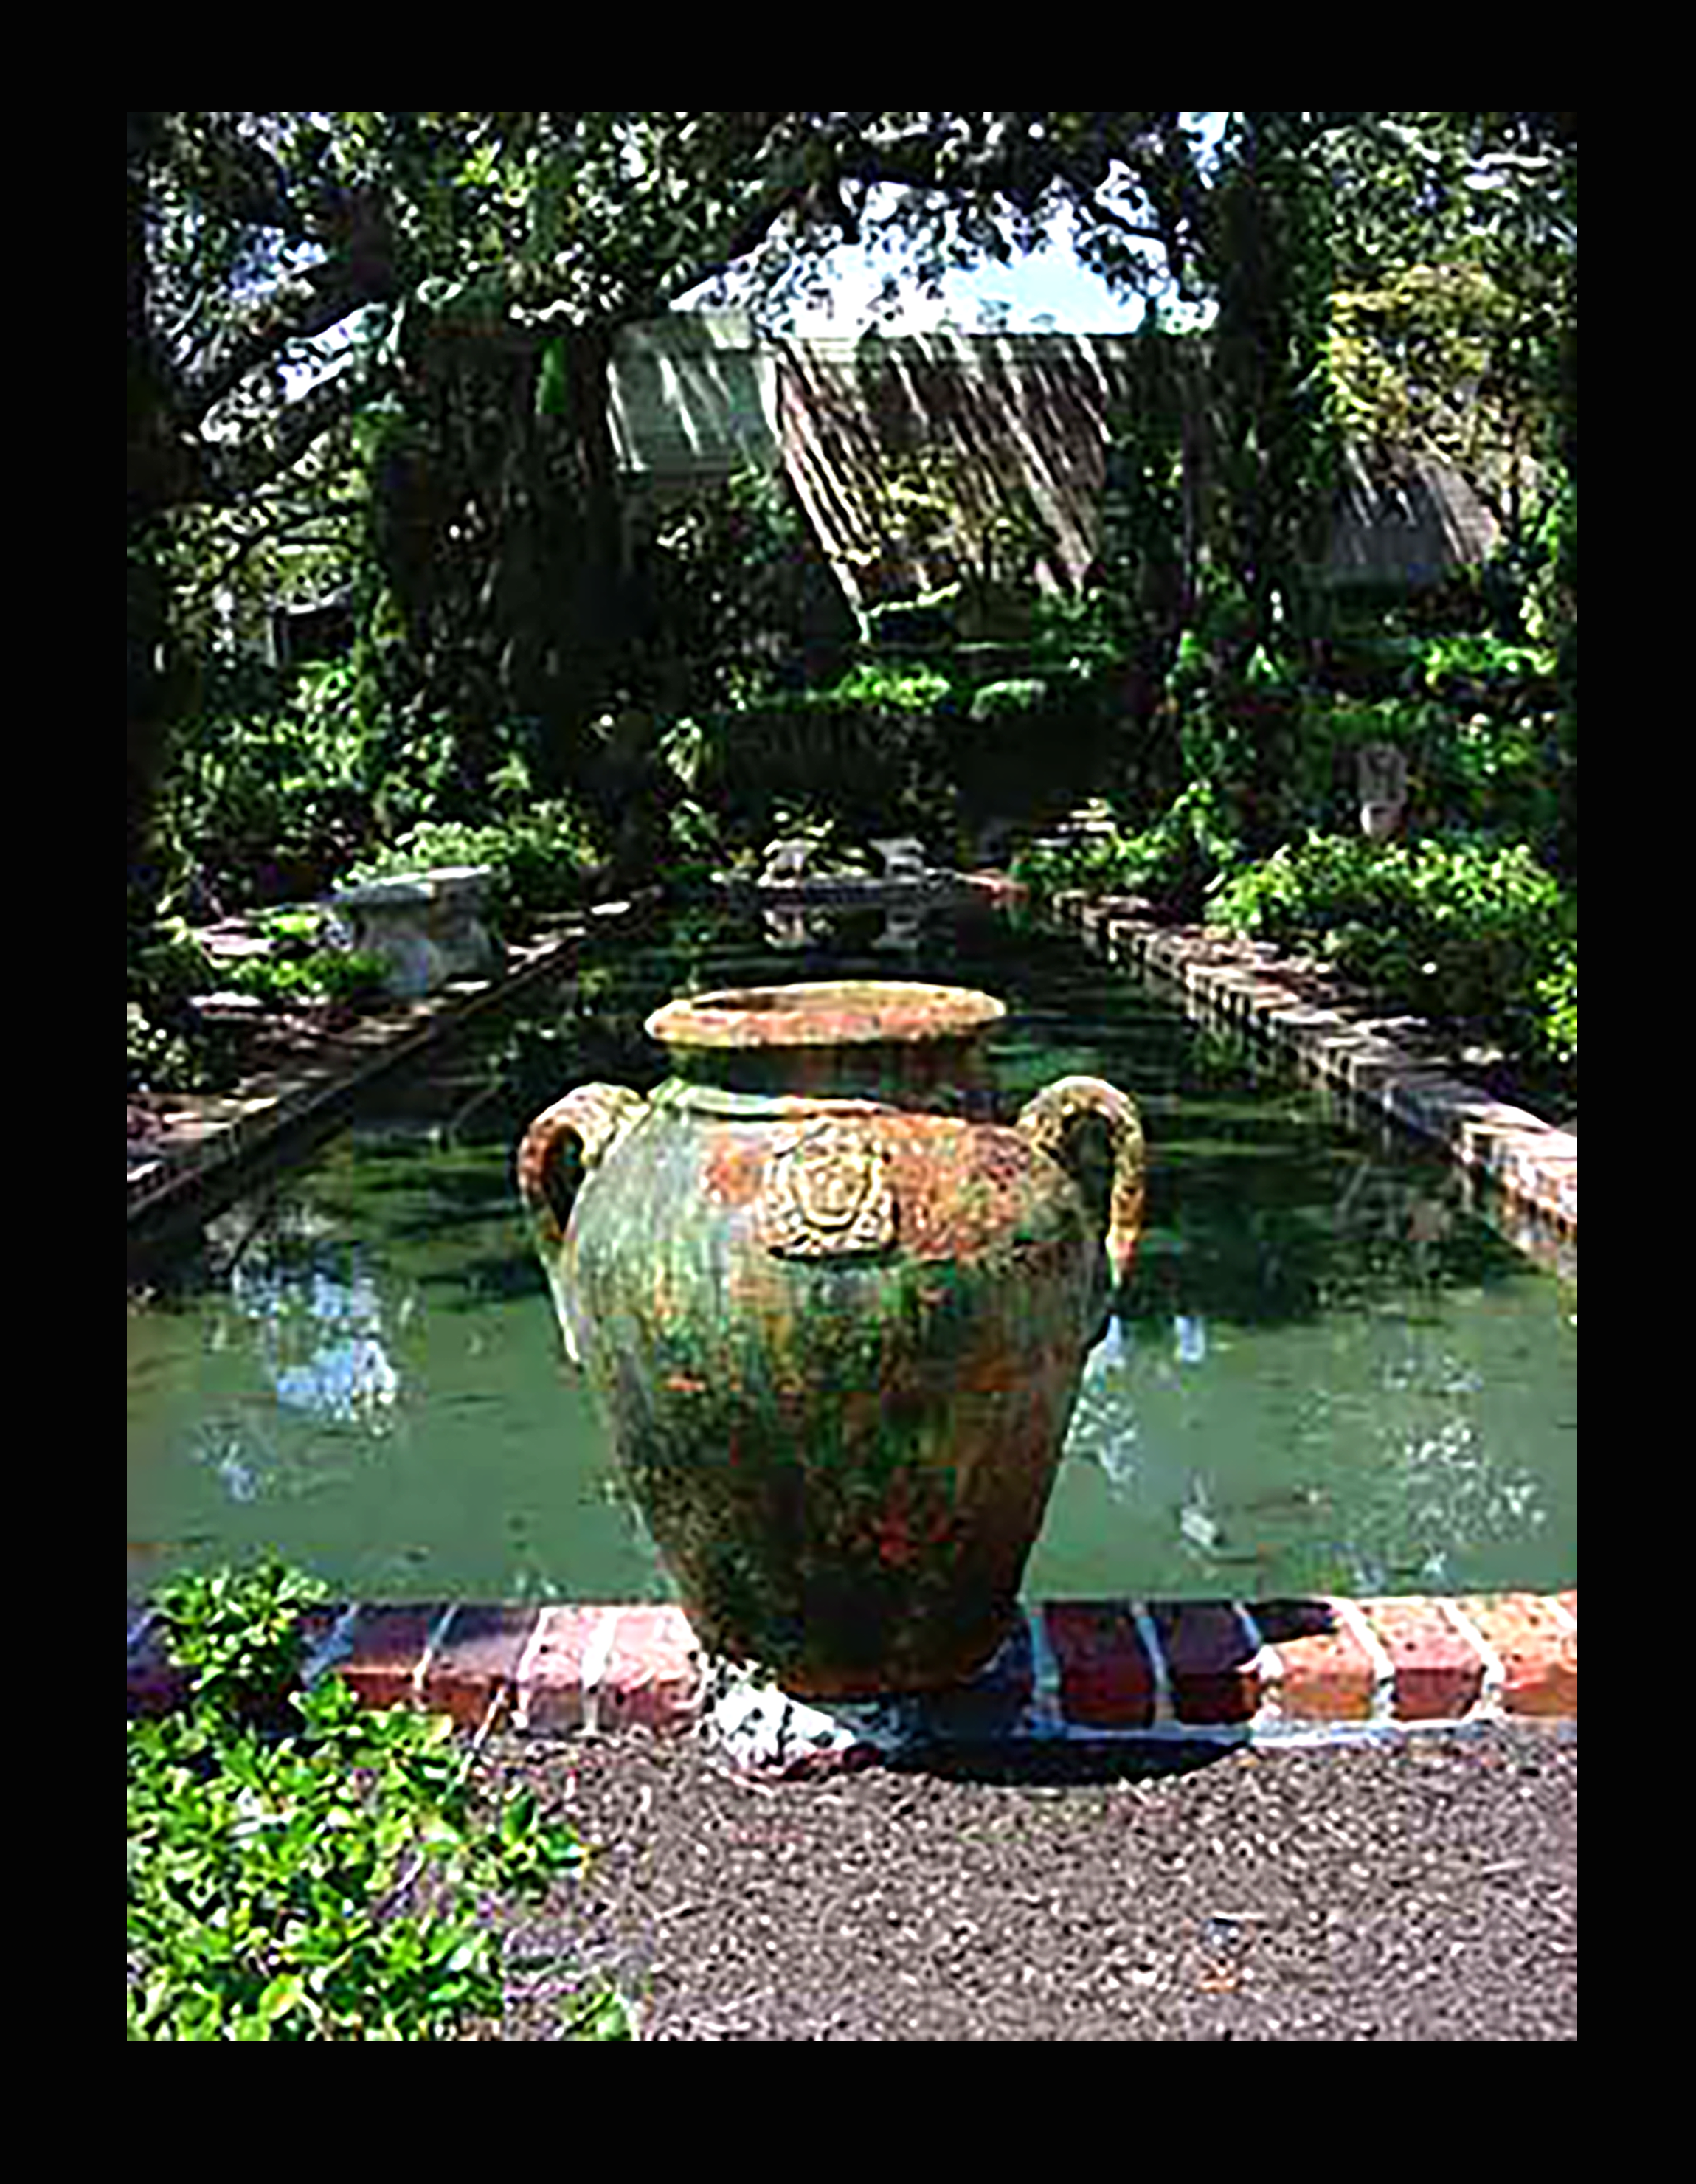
x=1381 y=779
x=836 y=1317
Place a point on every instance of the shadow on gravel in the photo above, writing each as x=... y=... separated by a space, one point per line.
x=1060 y=1765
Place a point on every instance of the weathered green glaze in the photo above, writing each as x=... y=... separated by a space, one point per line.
x=836 y=1322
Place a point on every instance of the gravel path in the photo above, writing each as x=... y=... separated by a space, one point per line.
x=1423 y=1890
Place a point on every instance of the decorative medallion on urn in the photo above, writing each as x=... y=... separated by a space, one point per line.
x=827 y=1193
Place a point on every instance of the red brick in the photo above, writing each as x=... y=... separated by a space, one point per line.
x=1438 y=1673
x=385 y=1650
x=1539 y=1657
x=477 y=1659
x=1326 y=1674
x=1107 y=1680
x=1210 y=1660
x=654 y=1673
x=551 y=1687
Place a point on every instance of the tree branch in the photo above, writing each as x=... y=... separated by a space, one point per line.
x=740 y=243
x=230 y=470
x=244 y=179
x=1110 y=218
x=293 y=309
x=285 y=535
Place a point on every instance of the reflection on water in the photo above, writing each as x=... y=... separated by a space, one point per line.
x=321 y=1339
x=1325 y=1373
x=1395 y=1463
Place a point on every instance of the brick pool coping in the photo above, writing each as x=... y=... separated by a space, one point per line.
x=1529 y=1168
x=1310 y=1669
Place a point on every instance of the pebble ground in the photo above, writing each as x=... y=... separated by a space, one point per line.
x=1423 y=1889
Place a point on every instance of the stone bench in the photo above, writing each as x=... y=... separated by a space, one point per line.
x=428 y=928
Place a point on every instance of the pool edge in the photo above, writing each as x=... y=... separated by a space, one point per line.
x=1317 y=1669
x=1529 y=1162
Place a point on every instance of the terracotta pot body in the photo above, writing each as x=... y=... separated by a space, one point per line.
x=836 y=1318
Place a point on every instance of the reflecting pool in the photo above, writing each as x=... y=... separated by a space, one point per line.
x=1328 y=1375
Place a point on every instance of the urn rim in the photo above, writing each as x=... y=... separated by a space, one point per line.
x=826 y=1013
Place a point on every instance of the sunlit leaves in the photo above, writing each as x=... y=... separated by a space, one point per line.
x=328 y=1885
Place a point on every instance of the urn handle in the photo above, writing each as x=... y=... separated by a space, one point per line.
x=1061 y=1121
x=594 y=1119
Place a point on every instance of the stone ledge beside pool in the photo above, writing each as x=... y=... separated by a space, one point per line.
x=1532 y=1163
x=207 y=1141
x=1085 y=1670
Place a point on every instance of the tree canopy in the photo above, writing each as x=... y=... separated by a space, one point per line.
x=252 y=236
x=289 y=274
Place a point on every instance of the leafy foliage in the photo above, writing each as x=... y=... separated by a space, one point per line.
x=1463 y=930
x=541 y=855
x=730 y=600
x=239 y=1632
x=867 y=764
x=1270 y=418
x=1406 y=275
x=1557 y=991
x=1455 y=237
x=332 y=974
x=974 y=544
x=326 y=1883
x=276 y=782
x=1171 y=863
x=166 y=1043
x=482 y=262
x=1488 y=763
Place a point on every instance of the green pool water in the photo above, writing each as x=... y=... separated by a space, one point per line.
x=1329 y=1375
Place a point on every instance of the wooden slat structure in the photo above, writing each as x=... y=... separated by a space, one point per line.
x=1017 y=424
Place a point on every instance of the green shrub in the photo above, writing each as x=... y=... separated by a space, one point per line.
x=1461 y=929
x=1481 y=772
x=1173 y=862
x=238 y=1632
x=870 y=765
x=1473 y=665
x=269 y=787
x=1088 y=631
x=1020 y=699
x=541 y=859
x=328 y=1883
x=1557 y=991
x=327 y=974
x=1028 y=745
x=883 y=685
x=168 y=964
x=731 y=596
x=166 y=1047
x=159 y=1057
